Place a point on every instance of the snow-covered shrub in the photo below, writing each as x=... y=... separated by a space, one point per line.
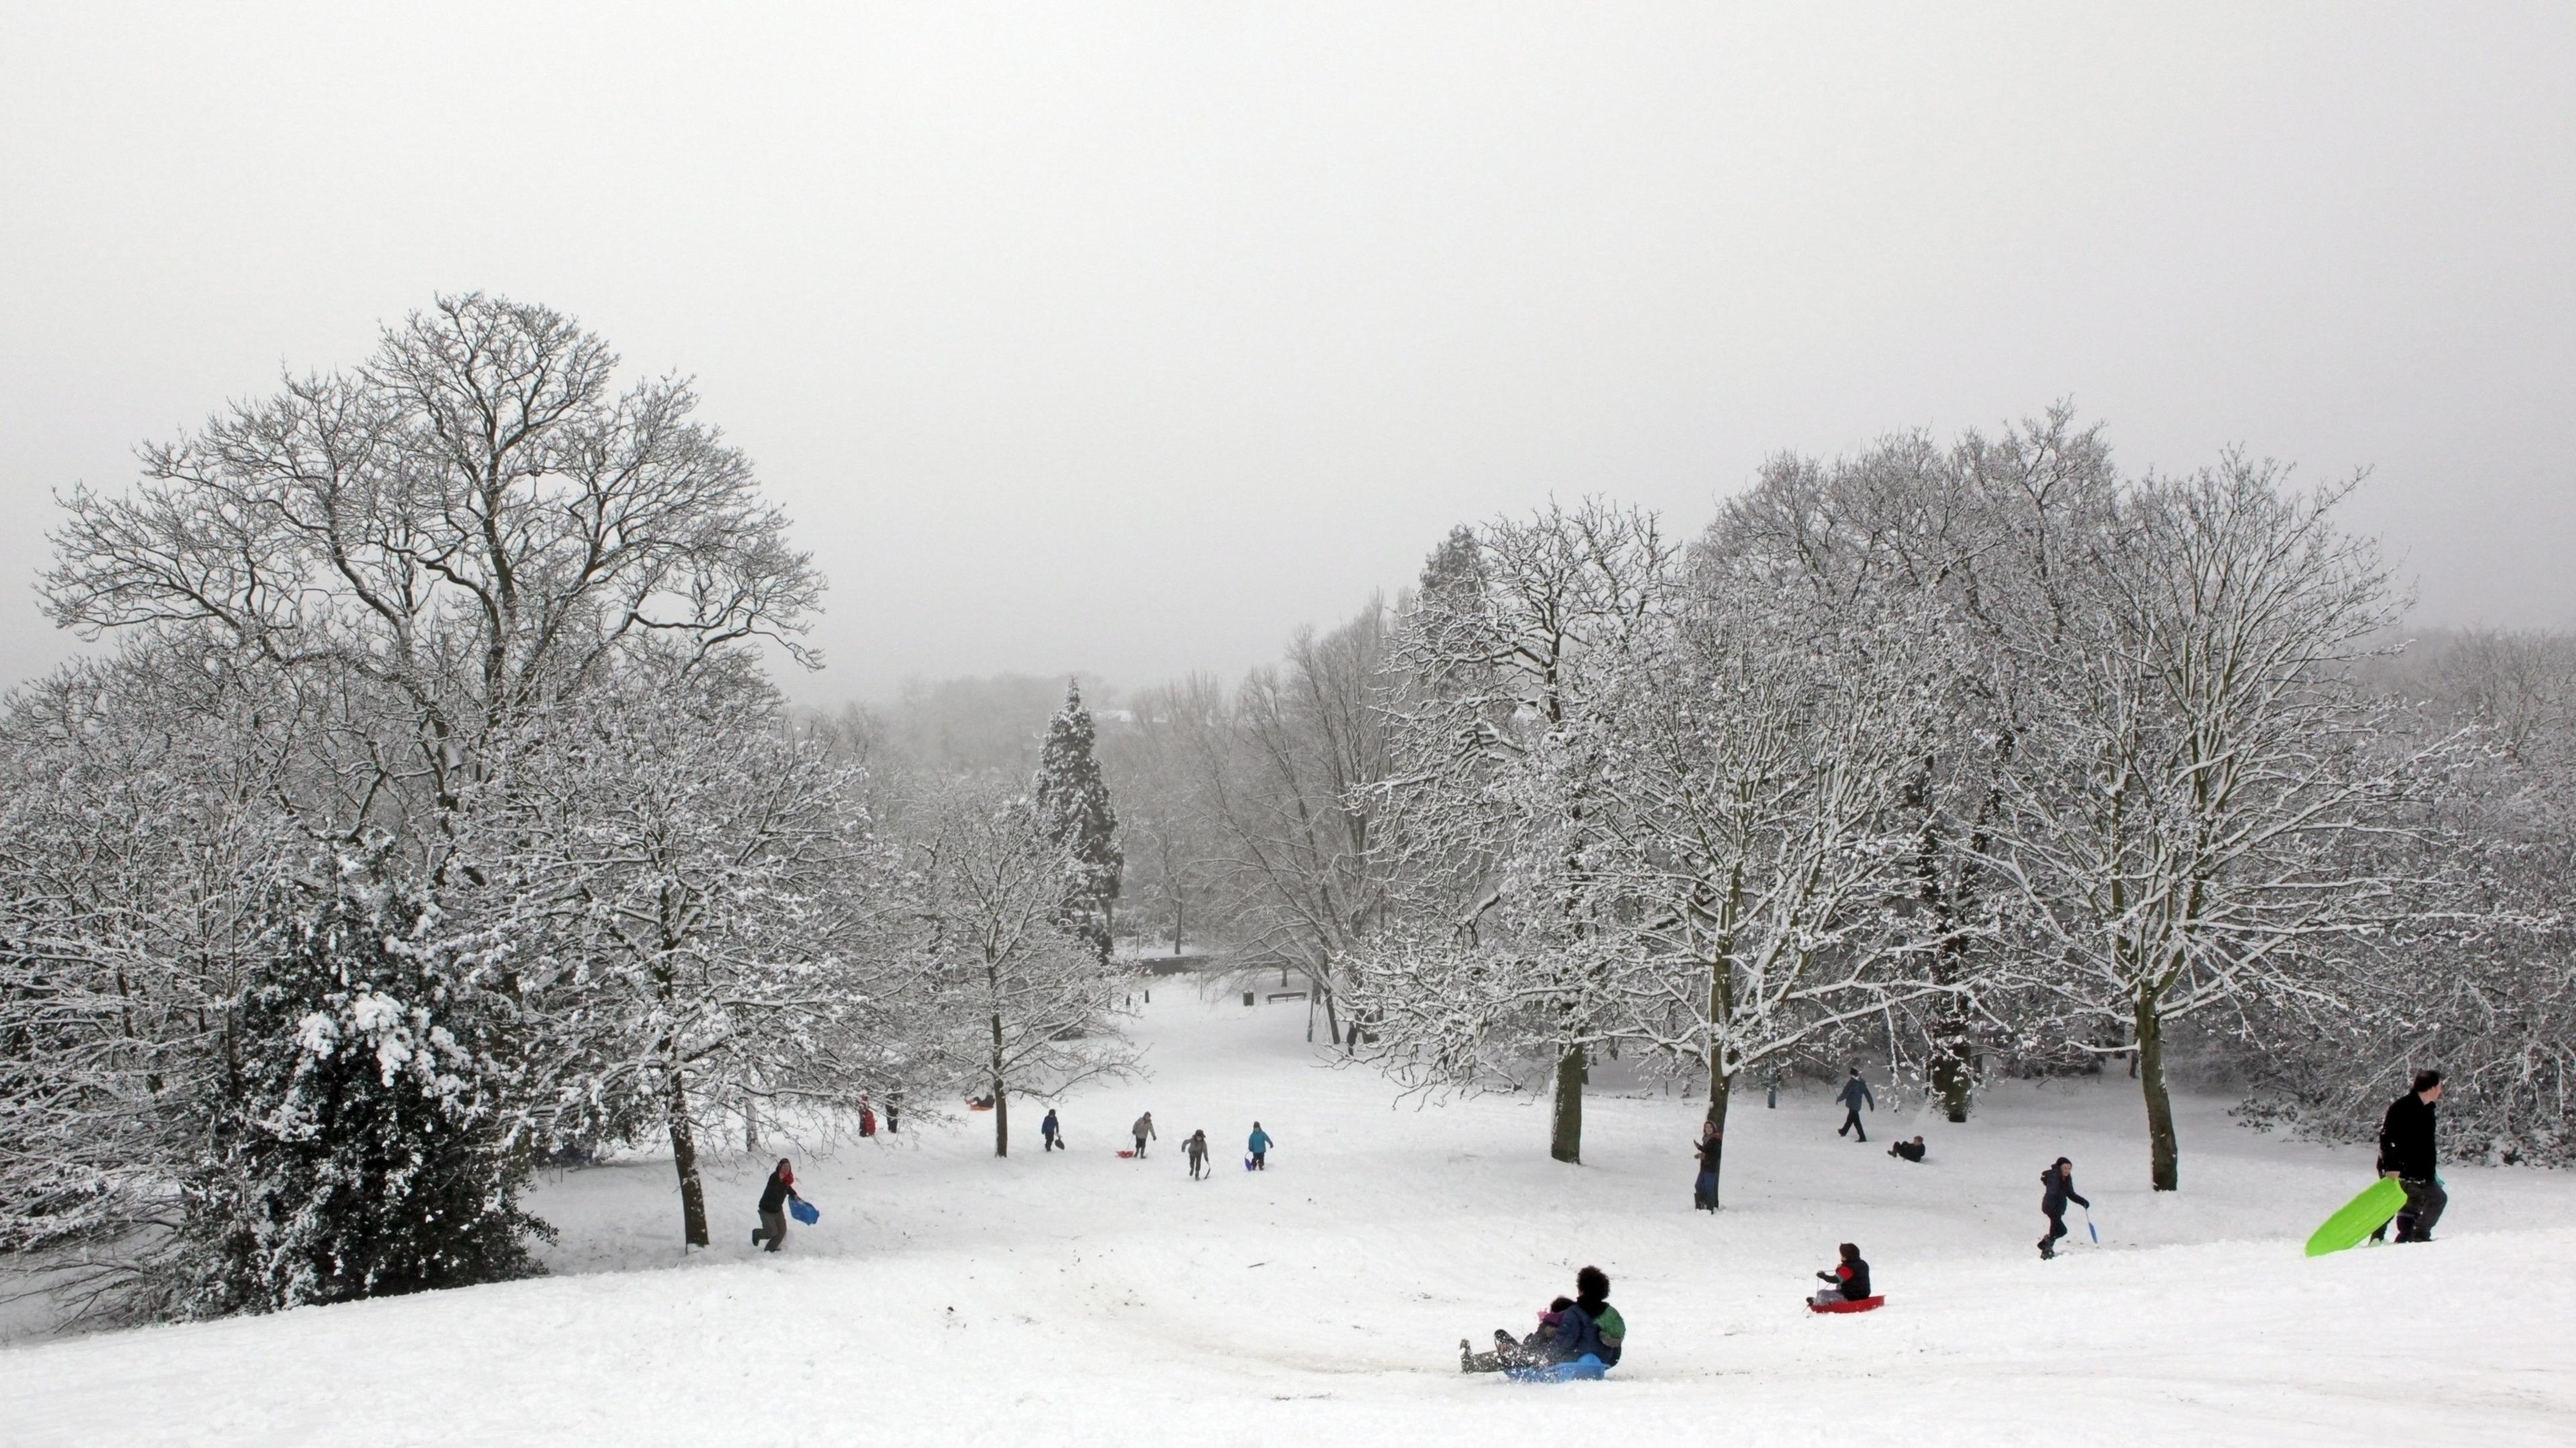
x=361 y=1149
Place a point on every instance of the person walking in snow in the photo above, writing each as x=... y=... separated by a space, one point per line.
x=1854 y=1096
x=1143 y=1131
x=1049 y=1132
x=1196 y=1150
x=1847 y=1282
x=2406 y=1153
x=774 y=1197
x=1712 y=1143
x=1259 y=1145
x=2057 y=1188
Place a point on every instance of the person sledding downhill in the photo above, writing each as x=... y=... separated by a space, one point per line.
x=1855 y=1095
x=2057 y=1188
x=1847 y=1282
x=1581 y=1330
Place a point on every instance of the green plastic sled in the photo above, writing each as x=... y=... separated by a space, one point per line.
x=2359 y=1217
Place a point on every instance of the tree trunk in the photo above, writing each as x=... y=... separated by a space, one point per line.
x=1001 y=1102
x=1721 y=1090
x=1566 y=1142
x=2164 y=1155
x=1953 y=1077
x=684 y=1159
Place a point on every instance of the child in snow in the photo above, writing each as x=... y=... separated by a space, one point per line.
x=1910 y=1150
x=1584 y=1325
x=773 y=1205
x=1050 y=1131
x=867 y=1116
x=1144 y=1132
x=1847 y=1282
x=1259 y=1145
x=1855 y=1094
x=2057 y=1188
x=1711 y=1143
x=1196 y=1149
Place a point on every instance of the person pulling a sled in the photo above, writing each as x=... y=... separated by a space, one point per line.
x=1910 y=1150
x=1052 y=1133
x=774 y=1198
x=1196 y=1149
x=1259 y=1145
x=1712 y=1143
x=1855 y=1095
x=1847 y=1282
x=1143 y=1131
x=2406 y=1153
x=2057 y=1188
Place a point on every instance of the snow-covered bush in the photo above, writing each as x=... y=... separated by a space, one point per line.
x=362 y=1147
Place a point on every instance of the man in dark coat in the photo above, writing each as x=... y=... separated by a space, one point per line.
x=2057 y=1188
x=1855 y=1095
x=1711 y=1147
x=2406 y=1153
x=774 y=1195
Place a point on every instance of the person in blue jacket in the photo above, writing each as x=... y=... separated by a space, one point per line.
x=2057 y=1188
x=1855 y=1096
x=1259 y=1146
x=1051 y=1132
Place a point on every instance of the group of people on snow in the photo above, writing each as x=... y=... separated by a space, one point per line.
x=1570 y=1330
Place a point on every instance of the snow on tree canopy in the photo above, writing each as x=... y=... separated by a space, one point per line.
x=1074 y=811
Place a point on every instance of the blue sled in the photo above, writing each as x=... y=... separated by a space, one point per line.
x=803 y=1211
x=1585 y=1369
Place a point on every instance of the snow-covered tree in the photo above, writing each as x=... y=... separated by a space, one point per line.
x=1493 y=778
x=2197 y=764
x=1754 y=854
x=363 y=1144
x=1073 y=808
x=702 y=912
x=1028 y=1009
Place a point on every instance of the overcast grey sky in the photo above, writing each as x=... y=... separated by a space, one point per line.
x=1128 y=338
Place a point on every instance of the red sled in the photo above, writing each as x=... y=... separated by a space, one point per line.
x=1865 y=1304
x=1126 y=1156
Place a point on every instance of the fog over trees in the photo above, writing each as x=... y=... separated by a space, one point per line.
x=427 y=814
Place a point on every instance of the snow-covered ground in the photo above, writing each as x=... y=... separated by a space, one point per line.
x=953 y=1298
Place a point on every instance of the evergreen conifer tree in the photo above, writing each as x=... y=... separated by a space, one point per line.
x=363 y=1151
x=1074 y=811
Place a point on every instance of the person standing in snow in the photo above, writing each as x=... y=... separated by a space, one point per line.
x=1771 y=1089
x=894 y=1114
x=1712 y=1143
x=773 y=1205
x=2057 y=1188
x=1143 y=1131
x=1854 y=1096
x=2406 y=1153
x=867 y=1116
x=1847 y=1282
x=1048 y=1129
x=1259 y=1145
x=1196 y=1150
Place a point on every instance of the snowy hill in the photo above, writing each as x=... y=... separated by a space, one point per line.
x=1078 y=1298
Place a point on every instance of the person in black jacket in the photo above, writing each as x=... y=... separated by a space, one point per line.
x=773 y=1205
x=2406 y=1153
x=1910 y=1150
x=2057 y=1188
x=1847 y=1282
x=1711 y=1146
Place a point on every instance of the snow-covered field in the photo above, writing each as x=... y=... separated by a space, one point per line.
x=953 y=1298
